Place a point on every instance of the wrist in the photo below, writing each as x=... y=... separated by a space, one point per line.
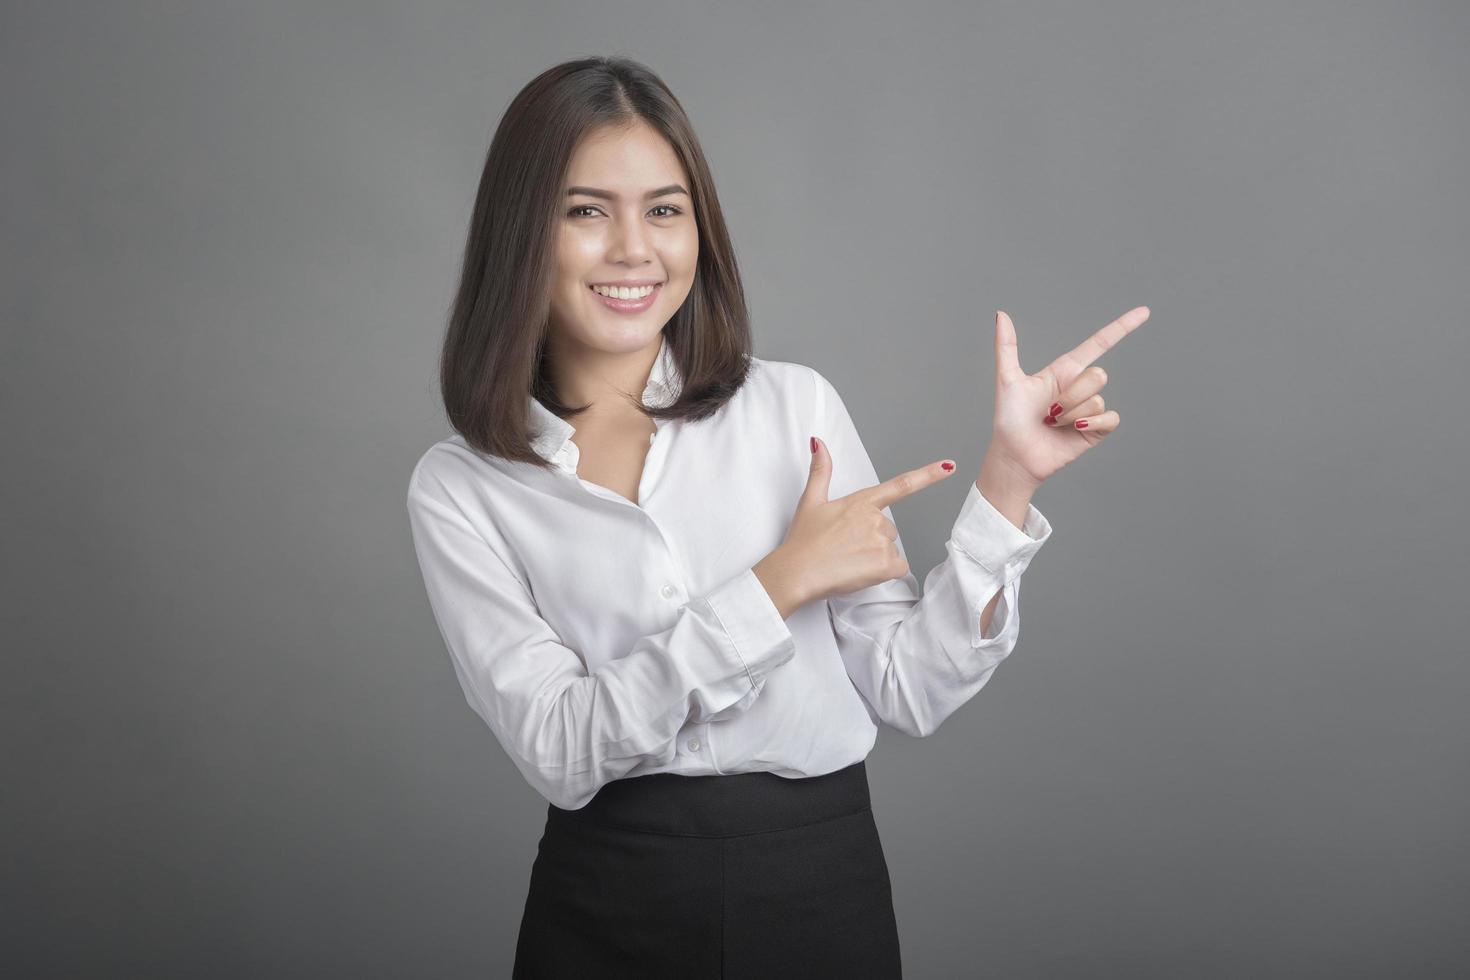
x=781 y=578
x=1008 y=489
x=1007 y=476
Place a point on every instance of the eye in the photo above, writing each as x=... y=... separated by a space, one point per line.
x=573 y=213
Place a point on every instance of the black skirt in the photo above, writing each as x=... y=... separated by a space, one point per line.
x=743 y=875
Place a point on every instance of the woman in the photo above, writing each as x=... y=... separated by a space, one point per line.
x=665 y=569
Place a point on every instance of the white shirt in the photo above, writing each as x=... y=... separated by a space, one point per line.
x=600 y=639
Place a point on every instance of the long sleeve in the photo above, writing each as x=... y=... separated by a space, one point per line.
x=914 y=656
x=568 y=731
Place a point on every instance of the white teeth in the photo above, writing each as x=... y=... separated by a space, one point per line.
x=623 y=292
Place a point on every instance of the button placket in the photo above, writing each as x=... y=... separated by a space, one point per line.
x=671 y=592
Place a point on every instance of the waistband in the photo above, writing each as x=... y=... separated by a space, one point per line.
x=722 y=805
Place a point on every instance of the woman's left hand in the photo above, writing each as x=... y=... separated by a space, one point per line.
x=1045 y=420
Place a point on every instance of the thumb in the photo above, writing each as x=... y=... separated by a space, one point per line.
x=820 y=477
x=1007 y=350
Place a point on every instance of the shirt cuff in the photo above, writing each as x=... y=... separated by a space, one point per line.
x=988 y=536
x=750 y=618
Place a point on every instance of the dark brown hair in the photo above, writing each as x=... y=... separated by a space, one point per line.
x=495 y=344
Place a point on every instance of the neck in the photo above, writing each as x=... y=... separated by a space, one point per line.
x=604 y=380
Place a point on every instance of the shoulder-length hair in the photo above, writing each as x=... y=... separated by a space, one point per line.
x=495 y=344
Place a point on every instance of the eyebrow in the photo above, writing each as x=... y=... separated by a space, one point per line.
x=610 y=196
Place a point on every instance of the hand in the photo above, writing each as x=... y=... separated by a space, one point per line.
x=1026 y=439
x=834 y=547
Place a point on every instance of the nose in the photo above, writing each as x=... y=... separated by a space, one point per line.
x=629 y=243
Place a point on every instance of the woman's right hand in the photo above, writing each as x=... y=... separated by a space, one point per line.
x=834 y=547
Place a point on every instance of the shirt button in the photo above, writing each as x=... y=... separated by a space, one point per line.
x=667 y=591
x=694 y=745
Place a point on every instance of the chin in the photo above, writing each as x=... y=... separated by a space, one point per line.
x=618 y=338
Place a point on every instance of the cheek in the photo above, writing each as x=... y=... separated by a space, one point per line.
x=578 y=246
x=683 y=253
x=575 y=258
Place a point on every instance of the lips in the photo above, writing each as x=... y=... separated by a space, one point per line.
x=628 y=305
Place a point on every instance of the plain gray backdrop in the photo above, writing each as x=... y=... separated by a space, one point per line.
x=1232 y=740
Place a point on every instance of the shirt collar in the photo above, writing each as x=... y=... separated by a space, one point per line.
x=550 y=433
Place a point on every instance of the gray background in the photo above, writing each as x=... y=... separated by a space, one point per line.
x=1232 y=740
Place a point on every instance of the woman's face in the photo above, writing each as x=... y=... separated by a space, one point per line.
x=626 y=235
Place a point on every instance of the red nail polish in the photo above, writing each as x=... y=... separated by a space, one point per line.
x=946 y=466
x=814 y=445
x=1050 y=420
x=1056 y=409
x=1080 y=423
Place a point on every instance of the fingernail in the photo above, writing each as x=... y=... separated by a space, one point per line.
x=814 y=445
x=1050 y=420
x=946 y=466
x=1080 y=423
x=1056 y=409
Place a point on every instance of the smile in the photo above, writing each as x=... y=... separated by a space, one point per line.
x=637 y=299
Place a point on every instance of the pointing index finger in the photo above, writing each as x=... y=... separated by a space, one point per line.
x=905 y=484
x=1099 y=343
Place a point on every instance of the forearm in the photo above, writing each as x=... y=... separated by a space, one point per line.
x=1010 y=494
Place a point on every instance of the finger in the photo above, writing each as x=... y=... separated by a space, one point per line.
x=1101 y=424
x=888 y=528
x=819 y=478
x=1007 y=349
x=1093 y=406
x=1074 y=360
x=904 y=484
x=1074 y=395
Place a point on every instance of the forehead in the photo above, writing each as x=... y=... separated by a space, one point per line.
x=625 y=158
